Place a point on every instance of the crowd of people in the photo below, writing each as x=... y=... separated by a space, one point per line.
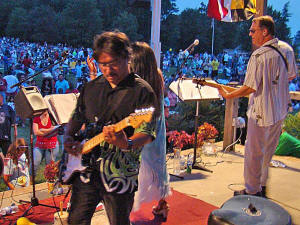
x=224 y=67
x=130 y=79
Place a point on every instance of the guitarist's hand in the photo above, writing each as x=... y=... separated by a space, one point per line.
x=118 y=139
x=223 y=92
x=71 y=146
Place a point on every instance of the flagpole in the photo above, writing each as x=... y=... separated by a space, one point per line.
x=213 y=35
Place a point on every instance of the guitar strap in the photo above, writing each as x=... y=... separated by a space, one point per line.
x=279 y=52
x=283 y=58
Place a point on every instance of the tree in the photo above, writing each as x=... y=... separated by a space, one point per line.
x=128 y=24
x=281 y=18
x=168 y=7
x=169 y=32
x=109 y=10
x=80 y=21
x=296 y=44
x=6 y=7
x=18 y=25
x=43 y=24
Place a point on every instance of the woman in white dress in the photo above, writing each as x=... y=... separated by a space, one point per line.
x=153 y=176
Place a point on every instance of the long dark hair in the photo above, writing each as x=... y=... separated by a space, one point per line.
x=143 y=63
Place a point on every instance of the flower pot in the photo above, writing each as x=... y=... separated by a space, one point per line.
x=209 y=147
x=50 y=186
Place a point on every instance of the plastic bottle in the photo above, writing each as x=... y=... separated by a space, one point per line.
x=189 y=163
x=9 y=210
x=14 y=208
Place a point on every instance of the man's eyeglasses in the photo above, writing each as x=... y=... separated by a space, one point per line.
x=253 y=31
x=114 y=63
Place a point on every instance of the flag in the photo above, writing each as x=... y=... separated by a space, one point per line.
x=231 y=10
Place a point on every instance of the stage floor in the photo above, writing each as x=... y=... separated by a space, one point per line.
x=213 y=188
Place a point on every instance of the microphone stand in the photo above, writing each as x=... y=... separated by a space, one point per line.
x=64 y=56
x=184 y=61
x=177 y=72
x=34 y=200
x=195 y=165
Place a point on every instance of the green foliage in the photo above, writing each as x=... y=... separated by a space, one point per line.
x=6 y=7
x=42 y=28
x=18 y=25
x=80 y=21
x=75 y=22
x=291 y=125
x=128 y=24
x=281 y=18
x=209 y=111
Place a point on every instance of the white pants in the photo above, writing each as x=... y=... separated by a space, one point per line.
x=260 y=146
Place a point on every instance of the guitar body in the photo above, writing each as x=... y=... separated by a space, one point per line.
x=71 y=165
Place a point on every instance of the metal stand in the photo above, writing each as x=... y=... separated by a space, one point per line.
x=34 y=200
x=195 y=164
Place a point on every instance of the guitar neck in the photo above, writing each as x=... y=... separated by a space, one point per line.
x=215 y=85
x=93 y=142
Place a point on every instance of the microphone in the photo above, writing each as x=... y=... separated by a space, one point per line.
x=196 y=42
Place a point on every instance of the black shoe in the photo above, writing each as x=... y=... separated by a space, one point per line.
x=243 y=192
x=264 y=191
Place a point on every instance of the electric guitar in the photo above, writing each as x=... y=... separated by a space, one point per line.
x=72 y=165
x=203 y=82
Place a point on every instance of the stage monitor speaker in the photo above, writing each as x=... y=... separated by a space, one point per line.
x=29 y=102
x=250 y=210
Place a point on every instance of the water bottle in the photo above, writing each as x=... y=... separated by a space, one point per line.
x=189 y=163
x=14 y=208
x=9 y=210
x=182 y=163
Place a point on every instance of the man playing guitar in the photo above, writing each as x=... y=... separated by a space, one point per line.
x=114 y=163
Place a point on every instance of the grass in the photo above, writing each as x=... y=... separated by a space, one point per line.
x=24 y=132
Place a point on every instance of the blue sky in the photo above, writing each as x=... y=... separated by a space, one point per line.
x=277 y=4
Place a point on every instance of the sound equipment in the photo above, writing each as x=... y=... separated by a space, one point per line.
x=250 y=210
x=29 y=102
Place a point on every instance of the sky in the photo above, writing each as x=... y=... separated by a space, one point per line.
x=294 y=8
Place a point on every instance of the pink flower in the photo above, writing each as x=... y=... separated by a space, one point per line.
x=179 y=139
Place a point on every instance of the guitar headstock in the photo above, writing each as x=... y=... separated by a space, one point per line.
x=139 y=116
x=200 y=81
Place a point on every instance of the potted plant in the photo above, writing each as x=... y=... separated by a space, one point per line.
x=51 y=174
x=207 y=132
x=206 y=136
x=179 y=140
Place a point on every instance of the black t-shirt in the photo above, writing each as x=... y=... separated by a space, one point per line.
x=118 y=169
x=7 y=118
x=98 y=97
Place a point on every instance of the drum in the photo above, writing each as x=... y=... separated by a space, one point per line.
x=250 y=210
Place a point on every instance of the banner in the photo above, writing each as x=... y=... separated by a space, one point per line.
x=231 y=10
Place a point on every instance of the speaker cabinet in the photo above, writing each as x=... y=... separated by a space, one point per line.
x=29 y=102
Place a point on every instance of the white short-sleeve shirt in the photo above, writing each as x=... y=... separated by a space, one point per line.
x=270 y=102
